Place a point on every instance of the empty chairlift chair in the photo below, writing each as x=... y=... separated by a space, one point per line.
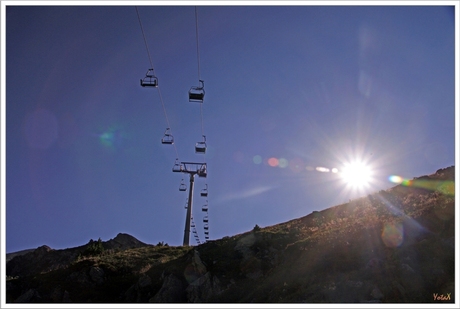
x=196 y=94
x=200 y=147
x=204 y=192
x=150 y=80
x=177 y=168
x=205 y=219
x=206 y=227
x=205 y=207
x=202 y=171
x=182 y=186
x=168 y=138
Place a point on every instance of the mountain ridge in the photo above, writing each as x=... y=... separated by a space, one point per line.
x=396 y=245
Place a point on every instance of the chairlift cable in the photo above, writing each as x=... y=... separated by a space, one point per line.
x=199 y=72
x=197 y=237
x=143 y=35
x=198 y=60
x=197 y=46
x=199 y=79
x=167 y=119
x=159 y=91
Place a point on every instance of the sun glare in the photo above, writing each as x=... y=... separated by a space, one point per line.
x=356 y=174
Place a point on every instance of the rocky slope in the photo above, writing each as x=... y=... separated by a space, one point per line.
x=394 y=246
x=10 y=256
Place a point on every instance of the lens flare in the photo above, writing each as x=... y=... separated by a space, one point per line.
x=446 y=187
x=393 y=234
x=322 y=169
x=296 y=165
x=113 y=138
x=282 y=162
x=356 y=174
x=257 y=159
x=273 y=162
x=395 y=179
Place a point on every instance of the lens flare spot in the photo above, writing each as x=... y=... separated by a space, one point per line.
x=393 y=234
x=114 y=137
x=395 y=179
x=238 y=156
x=41 y=129
x=334 y=170
x=257 y=159
x=282 y=162
x=273 y=162
x=322 y=169
x=296 y=165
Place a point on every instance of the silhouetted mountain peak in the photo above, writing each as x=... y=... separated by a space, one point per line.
x=124 y=241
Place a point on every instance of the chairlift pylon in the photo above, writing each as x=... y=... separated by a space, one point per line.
x=200 y=147
x=196 y=94
x=150 y=80
x=167 y=138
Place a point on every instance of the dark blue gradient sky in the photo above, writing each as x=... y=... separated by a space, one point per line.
x=292 y=94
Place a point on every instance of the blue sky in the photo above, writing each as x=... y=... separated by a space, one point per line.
x=293 y=94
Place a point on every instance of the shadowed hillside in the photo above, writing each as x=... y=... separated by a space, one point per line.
x=393 y=246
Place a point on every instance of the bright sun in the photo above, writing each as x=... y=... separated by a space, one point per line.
x=356 y=174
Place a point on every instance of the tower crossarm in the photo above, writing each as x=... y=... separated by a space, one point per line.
x=195 y=168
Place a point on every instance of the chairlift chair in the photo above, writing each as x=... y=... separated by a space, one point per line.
x=205 y=219
x=196 y=94
x=202 y=171
x=205 y=207
x=150 y=80
x=206 y=226
x=204 y=192
x=182 y=186
x=200 y=147
x=177 y=167
x=168 y=138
